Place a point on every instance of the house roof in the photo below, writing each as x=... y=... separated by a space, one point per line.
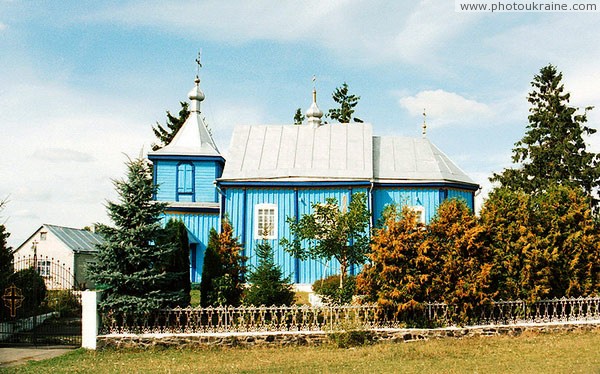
x=307 y=153
x=330 y=152
x=77 y=240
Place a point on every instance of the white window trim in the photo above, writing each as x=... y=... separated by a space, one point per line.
x=420 y=210
x=257 y=233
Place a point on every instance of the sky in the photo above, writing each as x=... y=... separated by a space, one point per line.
x=83 y=82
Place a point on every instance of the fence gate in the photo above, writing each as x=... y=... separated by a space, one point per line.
x=40 y=305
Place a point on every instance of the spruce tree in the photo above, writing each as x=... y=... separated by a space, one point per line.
x=129 y=261
x=165 y=135
x=553 y=150
x=268 y=286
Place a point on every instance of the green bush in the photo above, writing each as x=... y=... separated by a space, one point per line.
x=33 y=288
x=64 y=302
x=329 y=289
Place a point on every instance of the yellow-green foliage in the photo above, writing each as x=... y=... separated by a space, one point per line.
x=464 y=279
x=528 y=247
x=545 y=245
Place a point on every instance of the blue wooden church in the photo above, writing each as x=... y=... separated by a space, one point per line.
x=273 y=172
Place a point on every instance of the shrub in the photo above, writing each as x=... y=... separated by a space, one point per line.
x=329 y=289
x=64 y=302
x=33 y=288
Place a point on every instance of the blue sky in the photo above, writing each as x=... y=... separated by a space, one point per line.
x=82 y=82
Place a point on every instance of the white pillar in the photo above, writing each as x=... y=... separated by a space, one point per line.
x=90 y=320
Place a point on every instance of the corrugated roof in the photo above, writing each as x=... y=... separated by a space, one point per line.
x=327 y=152
x=410 y=160
x=77 y=240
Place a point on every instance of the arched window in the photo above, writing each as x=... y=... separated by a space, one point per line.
x=185 y=181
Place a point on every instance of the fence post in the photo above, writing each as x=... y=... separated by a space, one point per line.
x=90 y=320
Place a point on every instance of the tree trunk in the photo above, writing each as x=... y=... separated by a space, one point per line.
x=343 y=269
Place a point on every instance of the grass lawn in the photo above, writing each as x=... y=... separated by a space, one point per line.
x=540 y=353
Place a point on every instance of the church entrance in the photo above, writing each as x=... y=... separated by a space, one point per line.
x=40 y=306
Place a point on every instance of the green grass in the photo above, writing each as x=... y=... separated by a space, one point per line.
x=544 y=353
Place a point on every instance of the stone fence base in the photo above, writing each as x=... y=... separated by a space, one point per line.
x=315 y=338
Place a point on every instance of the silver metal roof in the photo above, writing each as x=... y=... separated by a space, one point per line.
x=304 y=153
x=193 y=138
x=410 y=160
x=329 y=152
x=77 y=240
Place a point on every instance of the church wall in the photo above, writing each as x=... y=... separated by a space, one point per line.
x=428 y=198
x=205 y=173
x=199 y=224
x=467 y=196
x=240 y=207
x=165 y=175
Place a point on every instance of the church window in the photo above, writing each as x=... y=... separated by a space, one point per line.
x=43 y=235
x=185 y=179
x=420 y=212
x=266 y=221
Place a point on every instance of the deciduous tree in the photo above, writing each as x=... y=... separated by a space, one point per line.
x=332 y=231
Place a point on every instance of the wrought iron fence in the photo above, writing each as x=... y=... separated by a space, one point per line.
x=327 y=318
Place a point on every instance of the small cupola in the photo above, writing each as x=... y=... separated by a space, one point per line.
x=196 y=96
x=314 y=114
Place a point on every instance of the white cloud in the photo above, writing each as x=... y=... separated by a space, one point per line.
x=62 y=155
x=3 y=26
x=372 y=33
x=444 y=107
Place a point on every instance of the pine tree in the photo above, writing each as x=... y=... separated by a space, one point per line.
x=267 y=283
x=298 y=117
x=178 y=264
x=129 y=261
x=347 y=102
x=553 y=150
x=165 y=135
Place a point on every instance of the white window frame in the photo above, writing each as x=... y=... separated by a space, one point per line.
x=420 y=210
x=262 y=216
x=43 y=267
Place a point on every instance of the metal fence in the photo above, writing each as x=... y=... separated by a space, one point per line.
x=328 y=318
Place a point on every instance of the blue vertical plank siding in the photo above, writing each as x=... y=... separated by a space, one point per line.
x=429 y=198
x=467 y=196
x=205 y=176
x=203 y=188
x=240 y=209
x=166 y=178
x=198 y=224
